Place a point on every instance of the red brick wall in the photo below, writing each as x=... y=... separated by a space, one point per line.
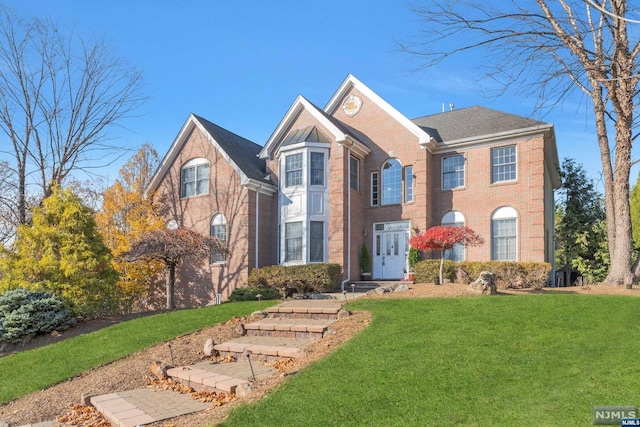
x=198 y=284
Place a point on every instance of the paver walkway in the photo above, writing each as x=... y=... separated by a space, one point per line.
x=143 y=406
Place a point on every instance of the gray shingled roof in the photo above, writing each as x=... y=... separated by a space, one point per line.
x=243 y=152
x=472 y=122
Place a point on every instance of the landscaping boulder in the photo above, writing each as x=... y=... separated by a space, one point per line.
x=485 y=284
x=208 y=347
x=159 y=369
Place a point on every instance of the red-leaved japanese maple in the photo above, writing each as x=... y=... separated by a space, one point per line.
x=443 y=238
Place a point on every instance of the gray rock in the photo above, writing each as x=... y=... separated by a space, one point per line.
x=401 y=288
x=485 y=284
x=208 y=347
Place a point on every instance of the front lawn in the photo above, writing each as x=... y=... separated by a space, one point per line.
x=537 y=360
x=32 y=370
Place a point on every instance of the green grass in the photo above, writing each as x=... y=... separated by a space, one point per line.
x=32 y=370
x=539 y=360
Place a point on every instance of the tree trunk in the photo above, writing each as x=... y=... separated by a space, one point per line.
x=442 y=267
x=171 y=280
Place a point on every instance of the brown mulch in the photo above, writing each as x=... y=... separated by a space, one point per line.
x=132 y=372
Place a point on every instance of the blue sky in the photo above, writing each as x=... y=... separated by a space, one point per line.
x=240 y=64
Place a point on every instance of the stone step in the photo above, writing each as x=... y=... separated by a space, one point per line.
x=235 y=377
x=289 y=328
x=306 y=309
x=263 y=348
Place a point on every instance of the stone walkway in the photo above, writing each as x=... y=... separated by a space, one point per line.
x=274 y=337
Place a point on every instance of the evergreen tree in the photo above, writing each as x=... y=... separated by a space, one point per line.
x=62 y=252
x=581 y=238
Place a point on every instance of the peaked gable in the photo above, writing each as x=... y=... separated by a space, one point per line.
x=350 y=82
x=338 y=131
x=241 y=153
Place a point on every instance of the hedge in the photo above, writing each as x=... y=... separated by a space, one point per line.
x=250 y=294
x=428 y=271
x=297 y=278
x=509 y=274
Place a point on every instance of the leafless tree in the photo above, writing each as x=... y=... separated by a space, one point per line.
x=59 y=98
x=553 y=48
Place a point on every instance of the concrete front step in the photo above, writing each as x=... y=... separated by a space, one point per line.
x=221 y=377
x=263 y=348
x=306 y=309
x=289 y=328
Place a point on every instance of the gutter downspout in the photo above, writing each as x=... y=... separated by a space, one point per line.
x=257 y=226
x=345 y=281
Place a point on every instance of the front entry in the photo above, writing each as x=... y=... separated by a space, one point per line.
x=391 y=247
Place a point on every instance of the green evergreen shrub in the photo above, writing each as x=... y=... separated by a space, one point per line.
x=297 y=278
x=509 y=274
x=428 y=270
x=249 y=294
x=25 y=313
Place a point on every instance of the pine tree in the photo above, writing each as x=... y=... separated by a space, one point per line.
x=63 y=253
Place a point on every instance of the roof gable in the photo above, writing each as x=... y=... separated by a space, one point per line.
x=238 y=151
x=338 y=131
x=351 y=82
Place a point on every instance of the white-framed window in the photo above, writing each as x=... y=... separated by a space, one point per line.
x=503 y=164
x=504 y=234
x=219 y=230
x=391 y=182
x=452 y=172
x=293 y=170
x=408 y=184
x=354 y=173
x=316 y=170
x=375 y=188
x=456 y=219
x=293 y=241
x=194 y=178
x=316 y=241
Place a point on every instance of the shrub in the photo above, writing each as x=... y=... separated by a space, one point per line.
x=25 y=313
x=298 y=278
x=249 y=294
x=428 y=270
x=508 y=274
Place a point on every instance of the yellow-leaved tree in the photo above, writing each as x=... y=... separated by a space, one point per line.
x=127 y=212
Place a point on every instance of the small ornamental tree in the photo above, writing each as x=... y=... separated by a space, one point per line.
x=171 y=247
x=443 y=238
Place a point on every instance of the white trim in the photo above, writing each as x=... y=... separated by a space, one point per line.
x=453 y=217
x=352 y=82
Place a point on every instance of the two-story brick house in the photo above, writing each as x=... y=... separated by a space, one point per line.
x=358 y=171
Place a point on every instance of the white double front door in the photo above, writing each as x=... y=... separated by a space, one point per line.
x=391 y=247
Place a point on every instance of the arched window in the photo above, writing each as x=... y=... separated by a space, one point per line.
x=391 y=182
x=194 y=178
x=219 y=230
x=456 y=219
x=504 y=234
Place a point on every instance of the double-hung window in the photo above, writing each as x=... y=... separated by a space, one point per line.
x=504 y=234
x=316 y=176
x=293 y=170
x=316 y=241
x=293 y=241
x=503 y=164
x=194 y=178
x=453 y=172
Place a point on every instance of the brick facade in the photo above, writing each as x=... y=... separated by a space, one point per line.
x=375 y=134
